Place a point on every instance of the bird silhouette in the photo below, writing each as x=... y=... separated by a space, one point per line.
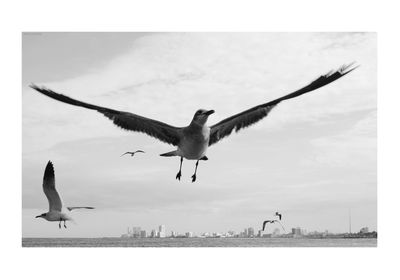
x=132 y=153
x=272 y=222
x=279 y=215
x=193 y=140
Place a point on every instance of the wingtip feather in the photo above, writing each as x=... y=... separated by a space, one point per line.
x=345 y=69
x=49 y=166
x=49 y=171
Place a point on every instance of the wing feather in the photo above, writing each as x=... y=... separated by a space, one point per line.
x=49 y=188
x=125 y=120
x=246 y=118
x=79 y=207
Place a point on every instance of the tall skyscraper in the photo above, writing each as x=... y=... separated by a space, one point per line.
x=162 y=231
x=136 y=232
x=250 y=232
x=296 y=231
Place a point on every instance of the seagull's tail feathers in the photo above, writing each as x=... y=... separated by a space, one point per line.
x=170 y=154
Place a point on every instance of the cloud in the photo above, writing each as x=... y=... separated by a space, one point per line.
x=356 y=146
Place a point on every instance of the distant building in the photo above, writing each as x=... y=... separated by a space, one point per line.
x=136 y=232
x=296 y=231
x=250 y=232
x=276 y=232
x=246 y=233
x=260 y=233
x=153 y=233
x=364 y=230
x=189 y=234
x=143 y=234
x=161 y=231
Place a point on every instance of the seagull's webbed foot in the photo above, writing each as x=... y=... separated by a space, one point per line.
x=59 y=225
x=178 y=176
x=65 y=225
x=195 y=171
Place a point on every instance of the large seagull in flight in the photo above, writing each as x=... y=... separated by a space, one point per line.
x=193 y=140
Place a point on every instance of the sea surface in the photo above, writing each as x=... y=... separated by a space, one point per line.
x=199 y=242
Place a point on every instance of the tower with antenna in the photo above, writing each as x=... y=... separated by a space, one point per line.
x=349 y=220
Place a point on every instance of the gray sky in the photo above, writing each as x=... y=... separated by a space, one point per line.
x=312 y=158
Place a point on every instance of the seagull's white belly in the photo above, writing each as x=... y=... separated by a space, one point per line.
x=55 y=216
x=194 y=146
x=193 y=150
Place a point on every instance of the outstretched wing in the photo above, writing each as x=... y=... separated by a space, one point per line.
x=162 y=131
x=265 y=223
x=49 y=188
x=246 y=118
x=79 y=207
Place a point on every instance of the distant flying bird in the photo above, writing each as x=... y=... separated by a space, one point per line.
x=279 y=215
x=272 y=221
x=193 y=140
x=132 y=153
x=56 y=211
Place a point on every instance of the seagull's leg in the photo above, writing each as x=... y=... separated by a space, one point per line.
x=65 y=224
x=195 y=171
x=59 y=224
x=178 y=176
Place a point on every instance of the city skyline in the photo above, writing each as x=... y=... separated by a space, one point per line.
x=249 y=232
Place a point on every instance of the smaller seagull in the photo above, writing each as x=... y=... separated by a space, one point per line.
x=279 y=215
x=132 y=153
x=56 y=211
x=272 y=221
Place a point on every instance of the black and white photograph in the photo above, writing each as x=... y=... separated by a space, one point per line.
x=199 y=139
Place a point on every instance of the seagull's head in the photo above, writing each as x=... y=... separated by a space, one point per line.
x=41 y=216
x=201 y=116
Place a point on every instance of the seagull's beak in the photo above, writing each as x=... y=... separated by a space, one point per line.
x=209 y=112
x=38 y=216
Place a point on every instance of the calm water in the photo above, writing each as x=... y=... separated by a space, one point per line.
x=197 y=242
